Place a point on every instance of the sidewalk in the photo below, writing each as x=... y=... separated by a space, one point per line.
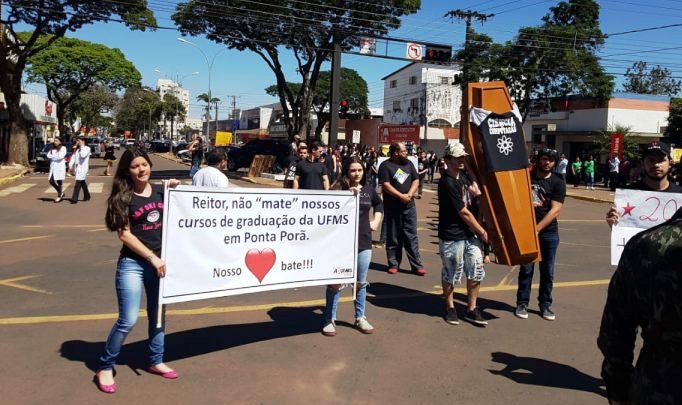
x=8 y=174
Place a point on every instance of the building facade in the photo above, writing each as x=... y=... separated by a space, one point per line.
x=167 y=86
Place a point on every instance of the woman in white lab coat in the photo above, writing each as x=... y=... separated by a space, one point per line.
x=56 y=156
x=79 y=165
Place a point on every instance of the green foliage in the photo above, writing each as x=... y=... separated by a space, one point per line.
x=554 y=59
x=53 y=18
x=352 y=87
x=602 y=142
x=70 y=67
x=90 y=105
x=657 y=80
x=307 y=29
x=674 y=131
x=134 y=110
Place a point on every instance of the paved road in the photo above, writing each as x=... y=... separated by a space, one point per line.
x=57 y=303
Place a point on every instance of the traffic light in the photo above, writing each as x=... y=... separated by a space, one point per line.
x=438 y=54
x=343 y=109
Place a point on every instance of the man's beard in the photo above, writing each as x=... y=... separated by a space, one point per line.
x=403 y=160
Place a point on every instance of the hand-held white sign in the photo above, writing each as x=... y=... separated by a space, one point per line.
x=639 y=210
x=220 y=242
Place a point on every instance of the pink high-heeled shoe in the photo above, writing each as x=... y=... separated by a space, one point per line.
x=107 y=389
x=170 y=375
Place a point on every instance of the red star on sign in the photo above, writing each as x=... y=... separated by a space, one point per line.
x=627 y=210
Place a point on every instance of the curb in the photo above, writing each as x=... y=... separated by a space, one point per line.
x=13 y=178
x=591 y=199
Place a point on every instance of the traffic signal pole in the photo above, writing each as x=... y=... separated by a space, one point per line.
x=334 y=99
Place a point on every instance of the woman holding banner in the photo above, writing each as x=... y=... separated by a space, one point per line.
x=135 y=211
x=353 y=178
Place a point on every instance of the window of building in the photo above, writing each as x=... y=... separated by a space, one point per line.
x=396 y=105
x=445 y=80
x=413 y=79
x=439 y=123
x=393 y=84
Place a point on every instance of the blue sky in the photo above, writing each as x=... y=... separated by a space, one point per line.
x=245 y=75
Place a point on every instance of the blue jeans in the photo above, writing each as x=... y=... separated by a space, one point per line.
x=131 y=276
x=195 y=168
x=332 y=295
x=549 y=242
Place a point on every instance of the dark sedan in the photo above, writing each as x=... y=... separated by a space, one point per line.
x=43 y=164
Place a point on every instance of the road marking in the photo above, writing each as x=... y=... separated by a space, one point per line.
x=584 y=244
x=505 y=279
x=51 y=190
x=582 y=220
x=26 y=320
x=63 y=226
x=96 y=188
x=429 y=191
x=98 y=230
x=16 y=189
x=2 y=242
x=12 y=282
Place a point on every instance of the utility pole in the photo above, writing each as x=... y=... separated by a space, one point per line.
x=467 y=16
x=334 y=99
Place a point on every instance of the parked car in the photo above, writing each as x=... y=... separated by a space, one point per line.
x=96 y=146
x=242 y=157
x=43 y=164
x=160 y=146
x=130 y=142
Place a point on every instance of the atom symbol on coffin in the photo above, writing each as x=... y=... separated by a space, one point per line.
x=505 y=145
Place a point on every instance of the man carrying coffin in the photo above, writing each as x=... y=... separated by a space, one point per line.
x=549 y=192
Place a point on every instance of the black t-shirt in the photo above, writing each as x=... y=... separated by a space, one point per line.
x=641 y=185
x=291 y=171
x=504 y=145
x=310 y=175
x=146 y=221
x=369 y=198
x=423 y=165
x=198 y=153
x=400 y=177
x=453 y=196
x=544 y=192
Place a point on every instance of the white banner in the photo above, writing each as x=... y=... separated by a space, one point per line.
x=220 y=242
x=639 y=210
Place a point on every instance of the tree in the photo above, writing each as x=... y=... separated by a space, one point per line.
x=136 y=109
x=90 y=105
x=602 y=142
x=554 y=59
x=55 y=18
x=214 y=100
x=70 y=67
x=309 y=30
x=352 y=88
x=173 y=109
x=674 y=131
x=657 y=80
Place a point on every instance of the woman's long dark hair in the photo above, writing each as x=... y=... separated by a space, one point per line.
x=122 y=190
x=343 y=183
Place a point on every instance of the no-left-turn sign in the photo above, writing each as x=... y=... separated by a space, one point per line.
x=414 y=51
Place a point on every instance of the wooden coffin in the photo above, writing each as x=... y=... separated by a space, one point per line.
x=507 y=202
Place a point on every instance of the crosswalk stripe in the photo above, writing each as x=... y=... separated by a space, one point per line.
x=95 y=188
x=16 y=189
x=51 y=190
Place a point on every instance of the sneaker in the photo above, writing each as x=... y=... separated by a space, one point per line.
x=363 y=326
x=547 y=314
x=420 y=272
x=451 y=316
x=521 y=311
x=475 y=316
x=329 y=329
x=392 y=270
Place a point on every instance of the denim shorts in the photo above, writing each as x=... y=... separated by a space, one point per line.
x=461 y=256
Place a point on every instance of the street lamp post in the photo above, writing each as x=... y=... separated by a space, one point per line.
x=209 y=64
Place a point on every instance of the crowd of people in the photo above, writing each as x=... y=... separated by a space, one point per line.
x=387 y=192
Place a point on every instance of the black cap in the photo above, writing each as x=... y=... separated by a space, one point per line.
x=550 y=153
x=657 y=147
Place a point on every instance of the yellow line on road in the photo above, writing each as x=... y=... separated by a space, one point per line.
x=2 y=242
x=26 y=320
x=63 y=226
x=506 y=277
x=12 y=282
x=585 y=244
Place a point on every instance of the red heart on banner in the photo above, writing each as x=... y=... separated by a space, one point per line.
x=260 y=262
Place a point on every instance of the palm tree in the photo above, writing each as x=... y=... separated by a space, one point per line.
x=214 y=100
